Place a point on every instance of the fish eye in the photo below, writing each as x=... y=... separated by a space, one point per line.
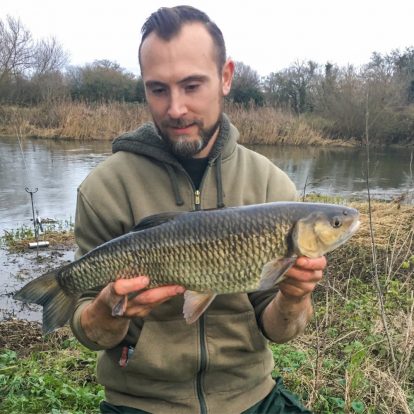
x=336 y=222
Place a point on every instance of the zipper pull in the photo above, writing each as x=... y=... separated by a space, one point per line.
x=197 y=199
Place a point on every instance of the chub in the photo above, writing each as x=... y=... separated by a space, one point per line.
x=210 y=252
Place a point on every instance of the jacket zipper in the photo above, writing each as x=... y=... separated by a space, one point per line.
x=197 y=192
x=203 y=350
x=197 y=199
x=203 y=365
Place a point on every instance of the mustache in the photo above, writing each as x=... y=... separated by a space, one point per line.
x=181 y=123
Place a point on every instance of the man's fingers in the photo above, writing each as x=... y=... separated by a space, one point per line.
x=318 y=263
x=157 y=295
x=301 y=275
x=126 y=305
x=125 y=286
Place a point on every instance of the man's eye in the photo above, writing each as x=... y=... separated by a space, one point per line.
x=192 y=87
x=158 y=91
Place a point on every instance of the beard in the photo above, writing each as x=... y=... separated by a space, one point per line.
x=182 y=146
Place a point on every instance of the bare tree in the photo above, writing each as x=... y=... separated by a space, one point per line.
x=49 y=56
x=16 y=48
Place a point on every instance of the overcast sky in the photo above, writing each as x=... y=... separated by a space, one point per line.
x=267 y=35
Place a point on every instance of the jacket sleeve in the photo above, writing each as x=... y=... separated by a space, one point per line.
x=90 y=231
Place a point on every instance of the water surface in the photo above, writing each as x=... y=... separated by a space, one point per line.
x=56 y=168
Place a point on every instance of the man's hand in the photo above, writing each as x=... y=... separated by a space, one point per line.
x=288 y=313
x=142 y=304
x=97 y=321
x=302 y=278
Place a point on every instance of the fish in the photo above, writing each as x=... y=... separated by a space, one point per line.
x=208 y=252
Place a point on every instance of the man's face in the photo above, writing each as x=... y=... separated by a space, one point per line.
x=184 y=89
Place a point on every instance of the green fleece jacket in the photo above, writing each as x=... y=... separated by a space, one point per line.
x=221 y=363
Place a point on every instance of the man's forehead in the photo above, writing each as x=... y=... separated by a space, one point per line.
x=192 y=32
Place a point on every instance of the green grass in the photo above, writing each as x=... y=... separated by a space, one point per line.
x=349 y=375
x=59 y=380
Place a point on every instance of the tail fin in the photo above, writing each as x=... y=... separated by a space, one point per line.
x=57 y=305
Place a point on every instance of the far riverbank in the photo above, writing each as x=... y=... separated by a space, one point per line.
x=81 y=121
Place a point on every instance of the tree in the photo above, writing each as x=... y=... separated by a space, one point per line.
x=16 y=48
x=29 y=71
x=49 y=56
x=102 y=80
x=293 y=88
x=246 y=86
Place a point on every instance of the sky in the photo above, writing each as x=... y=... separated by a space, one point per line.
x=266 y=35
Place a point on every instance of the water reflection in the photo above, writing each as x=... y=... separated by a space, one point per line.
x=343 y=171
x=56 y=168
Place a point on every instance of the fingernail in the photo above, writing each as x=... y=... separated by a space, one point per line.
x=180 y=290
x=145 y=280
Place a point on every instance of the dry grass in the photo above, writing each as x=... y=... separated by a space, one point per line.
x=73 y=120
x=77 y=120
x=387 y=218
x=26 y=337
x=271 y=126
x=57 y=239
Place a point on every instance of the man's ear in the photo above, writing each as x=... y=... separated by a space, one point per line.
x=227 y=76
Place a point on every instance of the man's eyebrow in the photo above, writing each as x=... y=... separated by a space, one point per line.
x=153 y=83
x=194 y=78
x=191 y=78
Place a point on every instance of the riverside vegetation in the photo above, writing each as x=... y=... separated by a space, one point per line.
x=41 y=94
x=82 y=121
x=343 y=363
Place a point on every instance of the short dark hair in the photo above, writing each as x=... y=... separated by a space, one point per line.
x=166 y=22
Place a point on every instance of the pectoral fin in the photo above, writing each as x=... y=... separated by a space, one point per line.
x=119 y=308
x=195 y=304
x=273 y=272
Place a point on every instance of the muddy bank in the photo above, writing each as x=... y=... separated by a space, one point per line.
x=18 y=268
x=25 y=337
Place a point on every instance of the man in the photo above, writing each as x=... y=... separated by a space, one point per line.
x=151 y=360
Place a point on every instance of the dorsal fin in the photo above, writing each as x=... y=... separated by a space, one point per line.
x=156 y=220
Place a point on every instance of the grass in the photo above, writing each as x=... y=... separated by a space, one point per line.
x=77 y=120
x=58 y=377
x=55 y=232
x=341 y=364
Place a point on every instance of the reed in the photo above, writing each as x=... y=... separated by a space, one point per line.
x=79 y=120
x=269 y=126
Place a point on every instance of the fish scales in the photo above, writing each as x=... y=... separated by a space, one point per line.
x=231 y=250
x=167 y=258
x=167 y=255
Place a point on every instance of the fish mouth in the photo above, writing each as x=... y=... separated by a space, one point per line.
x=351 y=231
x=354 y=227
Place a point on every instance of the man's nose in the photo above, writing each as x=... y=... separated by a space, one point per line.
x=177 y=106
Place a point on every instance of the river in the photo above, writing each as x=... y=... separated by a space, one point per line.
x=57 y=167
